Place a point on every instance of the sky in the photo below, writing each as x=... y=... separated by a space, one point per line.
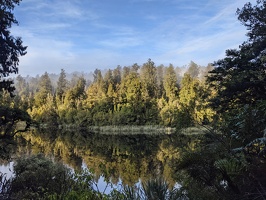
x=82 y=35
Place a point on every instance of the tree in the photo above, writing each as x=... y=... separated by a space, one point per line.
x=132 y=84
x=22 y=93
x=188 y=97
x=193 y=100
x=77 y=93
x=10 y=47
x=21 y=85
x=234 y=152
x=170 y=83
x=160 y=75
x=45 y=88
x=204 y=72
x=108 y=80
x=189 y=91
x=10 y=50
x=125 y=72
x=61 y=85
x=37 y=177
x=193 y=69
x=240 y=78
x=135 y=67
x=117 y=75
x=10 y=120
x=149 y=79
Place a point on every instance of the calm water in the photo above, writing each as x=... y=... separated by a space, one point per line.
x=116 y=159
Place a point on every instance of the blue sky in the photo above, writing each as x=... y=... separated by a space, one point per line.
x=82 y=35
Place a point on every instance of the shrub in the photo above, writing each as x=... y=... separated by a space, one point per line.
x=37 y=177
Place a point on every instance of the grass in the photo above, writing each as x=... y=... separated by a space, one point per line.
x=195 y=130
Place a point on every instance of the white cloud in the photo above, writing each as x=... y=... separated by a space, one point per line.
x=70 y=35
x=121 y=42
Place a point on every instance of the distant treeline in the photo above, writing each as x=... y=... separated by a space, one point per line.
x=131 y=95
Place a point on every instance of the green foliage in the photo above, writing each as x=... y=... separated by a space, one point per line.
x=6 y=99
x=132 y=89
x=169 y=113
x=45 y=89
x=230 y=167
x=61 y=85
x=152 y=189
x=155 y=189
x=23 y=97
x=37 y=177
x=7 y=149
x=137 y=95
x=10 y=47
x=193 y=101
x=9 y=118
x=170 y=83
x=193 y=70
x=126 y=116
x=228 y=163
x=221 y=170
x=240 y=77
x=75 y=95
x=149 y=79
x=244 y=125
x=46 y=113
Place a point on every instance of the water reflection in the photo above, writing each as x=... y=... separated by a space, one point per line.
x=125 y=159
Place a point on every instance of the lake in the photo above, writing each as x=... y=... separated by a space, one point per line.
x=116 y=159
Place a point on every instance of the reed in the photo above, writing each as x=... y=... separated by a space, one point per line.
x=132 y=130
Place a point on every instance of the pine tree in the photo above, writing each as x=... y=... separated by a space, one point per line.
x=45 y=88
x=170 y=83
x=61 y=85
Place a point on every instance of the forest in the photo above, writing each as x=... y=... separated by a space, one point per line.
x=133 y=95
x=226 y=98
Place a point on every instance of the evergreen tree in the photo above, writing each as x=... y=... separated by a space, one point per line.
x=75 y=95
x=98 y=80
x=108 y=80
x=117 y=75
x=170 y=83
x=61 y=85
x=204 y=72
x=21 y=85
x=149 y=80
x=188 y=92
x=45 y=88
x=160 y=75
x=96 y=91
x=135 y=67
x=125 y=72
x=133 y=91
x=193 y=100
x=22 y=92
x=193 y=70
